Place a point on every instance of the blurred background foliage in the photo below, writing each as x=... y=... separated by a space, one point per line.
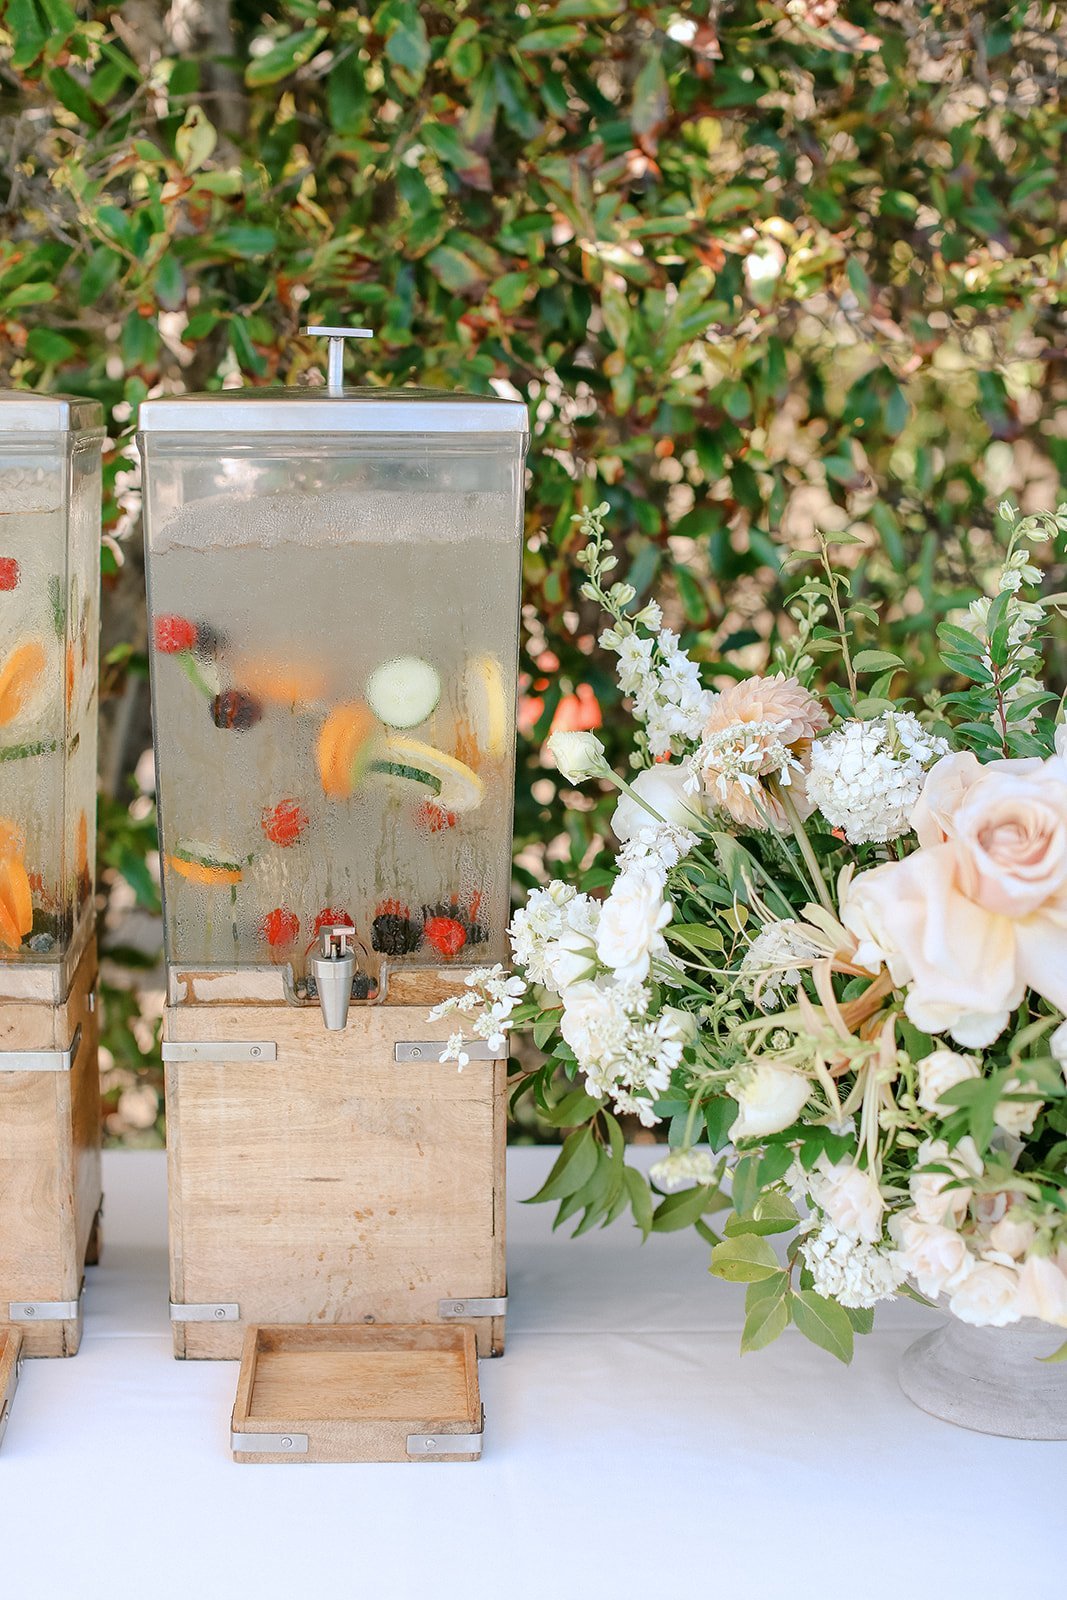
x=757 y=268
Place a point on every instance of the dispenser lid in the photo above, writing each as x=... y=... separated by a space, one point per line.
x=358 y=1392
x=26 y=411
x=352 y=410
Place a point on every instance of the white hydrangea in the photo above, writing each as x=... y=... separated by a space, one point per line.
x=491 y=996
x=865 y=777
x=624 y=1053
x=774 y=961
x=847 y=1270
x=547 y=915
x=680 y=1167
x=664 y=685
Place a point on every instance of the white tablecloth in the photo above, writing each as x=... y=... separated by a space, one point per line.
x=629 y=1450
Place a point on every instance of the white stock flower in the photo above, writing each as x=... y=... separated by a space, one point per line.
x=577 y=755
x=679 y=1167
x=631 y=923
x=656 y=848
x=988 y=1296
x=492 y=995
x=939 y=1071
x=769 y=1098
x=1043 y=1290
x=624 y=1052
x=662 y=791
x=849 y=1270
x=865 y=777
x=774 y=960
x=849 y=1197
x=931 y=1196
x=936 y=1257
x=664 y=684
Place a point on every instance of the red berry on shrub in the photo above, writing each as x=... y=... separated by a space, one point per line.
x=174 y=634
x=235 y=709
x=280 y=927
x=284 y=823
x=9 y=572
x=446 y=935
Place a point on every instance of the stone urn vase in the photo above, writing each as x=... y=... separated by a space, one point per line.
x=993 y=1380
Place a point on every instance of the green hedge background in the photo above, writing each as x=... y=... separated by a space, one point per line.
x=757 y=268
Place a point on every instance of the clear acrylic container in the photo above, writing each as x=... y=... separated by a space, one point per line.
x=49 y=628
x=333 y=586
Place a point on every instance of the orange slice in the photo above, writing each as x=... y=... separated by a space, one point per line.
x=10 y=937
x=18 y=678
x=281 y=683
x=343 y=748
x=16 y=894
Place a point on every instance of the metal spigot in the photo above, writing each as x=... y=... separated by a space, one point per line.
x=335 y=352
x=334 y=967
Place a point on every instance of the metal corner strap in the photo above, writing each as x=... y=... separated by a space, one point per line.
x=41 y=1060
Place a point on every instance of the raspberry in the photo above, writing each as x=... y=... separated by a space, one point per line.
x=284 y=823
x=280 y=927
x=446 y=935
x=174 y=634
x=9 y=572
x=434 y=818
x=332 y=919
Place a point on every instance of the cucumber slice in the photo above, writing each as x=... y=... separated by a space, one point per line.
x=409 y=774
x=403 y=692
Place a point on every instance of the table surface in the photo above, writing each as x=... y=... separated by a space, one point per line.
x=629 y=1449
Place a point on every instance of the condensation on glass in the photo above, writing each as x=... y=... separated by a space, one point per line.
x=333 y=589
x=49 y=627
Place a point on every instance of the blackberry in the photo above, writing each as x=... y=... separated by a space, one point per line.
x=393 y=934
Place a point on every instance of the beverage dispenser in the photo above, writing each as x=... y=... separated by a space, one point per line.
x=333 y=578
x=50 y=448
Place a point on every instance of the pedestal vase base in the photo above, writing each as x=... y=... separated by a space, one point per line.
x=991 y=1380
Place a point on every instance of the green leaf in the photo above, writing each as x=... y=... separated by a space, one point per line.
x=650 y=100
x=245 y=240
x=1059 y=1354
x=767 y=1314
x=549 y=41
x=875 y=661
x=546 y=1027
x=681 y=1210
x=744 y=1259
x=408 y=45
x=285 y=57
x=774 y=1213
x=574 y=1166
x=48 y=346
x=824 y=1322
x=195 y=139
x=640 y=1198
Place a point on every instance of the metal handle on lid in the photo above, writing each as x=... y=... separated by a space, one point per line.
x=335 y=351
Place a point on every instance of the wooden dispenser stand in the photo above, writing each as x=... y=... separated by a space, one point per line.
x=322 y=1178
x=50 y=1193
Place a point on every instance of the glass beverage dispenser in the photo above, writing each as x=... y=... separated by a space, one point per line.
x=333 y=580
x=49 y=1089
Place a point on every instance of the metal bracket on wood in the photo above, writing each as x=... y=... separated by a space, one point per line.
x=45 y=1310
x=453 y=1310
x=446 y=1444
x=269 y=1444
x=220 y=1050
x=41 y=1060
x=430 y=1050
x=209 y=1311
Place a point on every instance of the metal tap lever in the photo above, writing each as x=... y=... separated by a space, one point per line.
x=335 y=351
x=334 y=967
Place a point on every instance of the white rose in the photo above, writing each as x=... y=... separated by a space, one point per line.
x=942 y=1070
x=630 y=922
x=1058 y=1046
x=850 y=1198
x=1012 y=1238
x=1043 y=1290
x=769 y=1099
x=662 y=790
x=988 y=1297
x=932 y=1199
x=676 y=1024
x=584 y=1006
x=569 y=959
x=936 y=1258
x=577 y=755
x=1017 y=1117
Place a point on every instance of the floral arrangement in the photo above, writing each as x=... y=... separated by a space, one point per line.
x=830 y=963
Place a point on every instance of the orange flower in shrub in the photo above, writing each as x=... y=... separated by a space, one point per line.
x=578 y=712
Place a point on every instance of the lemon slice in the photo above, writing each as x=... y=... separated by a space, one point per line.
x=457 y=787
x=486 y=705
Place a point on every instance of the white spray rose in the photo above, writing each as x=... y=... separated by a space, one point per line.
x=1017 y=1117
x=1012 y=1238
x=942 y=1070
x=584 y=1006
x=933 y=1200
x=1043 y=1290
x=662 y=789
x=577 y=755
x=1058 y=1046
x=769 y=1098
x=569 y=959
x=631 y=921
x=849 y=1197
x=936 y=1258
x=988 y=1297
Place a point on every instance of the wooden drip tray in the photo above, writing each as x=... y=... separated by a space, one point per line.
x=350 y=1393
x=10 y=1346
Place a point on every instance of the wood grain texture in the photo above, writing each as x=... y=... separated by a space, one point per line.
x=358 y=1392
x=50 y=1189
x=10 y=1344
x=334 y=1185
